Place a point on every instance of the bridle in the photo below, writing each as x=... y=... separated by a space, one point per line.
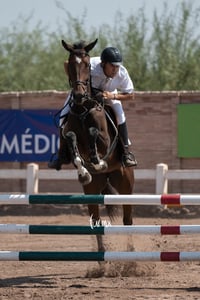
x=76 y=61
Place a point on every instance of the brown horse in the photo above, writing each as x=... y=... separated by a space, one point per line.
x=93 y=138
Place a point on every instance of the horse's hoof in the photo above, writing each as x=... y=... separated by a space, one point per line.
x=85 y=179
x=97 y=168
x=101 y=166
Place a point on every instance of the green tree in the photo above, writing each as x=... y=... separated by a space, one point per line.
x=175 y=50
x=162 y=55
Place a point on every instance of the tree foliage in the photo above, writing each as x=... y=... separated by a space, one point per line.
x=162 y=55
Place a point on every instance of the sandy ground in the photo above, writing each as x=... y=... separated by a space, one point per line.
x=87 y=280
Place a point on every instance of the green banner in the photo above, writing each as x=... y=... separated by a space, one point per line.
x=189 y=130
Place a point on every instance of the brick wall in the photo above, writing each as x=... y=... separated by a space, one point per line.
x=152 y=123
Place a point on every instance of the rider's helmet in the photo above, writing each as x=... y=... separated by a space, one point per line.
x=111 y=55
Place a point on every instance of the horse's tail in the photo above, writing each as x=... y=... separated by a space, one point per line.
x=112 y=210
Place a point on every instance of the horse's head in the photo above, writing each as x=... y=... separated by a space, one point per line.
x=78 y=69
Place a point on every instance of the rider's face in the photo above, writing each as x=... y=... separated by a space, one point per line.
x=110 y=70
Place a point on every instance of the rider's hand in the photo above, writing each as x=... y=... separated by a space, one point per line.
x=108 y=95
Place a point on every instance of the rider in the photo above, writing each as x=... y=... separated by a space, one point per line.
x=110 y=76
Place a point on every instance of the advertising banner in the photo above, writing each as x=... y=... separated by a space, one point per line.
x=27 y=135
x=189 y=130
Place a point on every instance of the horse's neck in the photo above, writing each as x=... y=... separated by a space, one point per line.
x=81 y=111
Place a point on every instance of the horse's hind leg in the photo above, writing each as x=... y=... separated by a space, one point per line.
x=127 y=215
x=95 y=187
x=125 y=177
x=83 y=174
x=95 y=221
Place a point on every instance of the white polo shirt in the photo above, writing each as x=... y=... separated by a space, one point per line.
x=121 y=82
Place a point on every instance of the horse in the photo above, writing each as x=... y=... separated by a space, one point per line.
x=92 y=138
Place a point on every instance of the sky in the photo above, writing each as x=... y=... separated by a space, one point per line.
x=98 y=12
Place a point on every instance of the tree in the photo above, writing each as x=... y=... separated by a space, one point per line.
x=164 y=57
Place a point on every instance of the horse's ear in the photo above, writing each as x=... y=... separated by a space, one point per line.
x=67 y=47
x=90 y=46
x=66 y=67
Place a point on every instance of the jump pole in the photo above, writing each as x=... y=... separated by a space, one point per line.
x=98 y=256
x=166 y=199
x=100 y=230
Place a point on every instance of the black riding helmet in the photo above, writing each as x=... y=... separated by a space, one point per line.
x=111 y=55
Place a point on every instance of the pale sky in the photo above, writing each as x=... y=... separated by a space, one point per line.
x=98 y=12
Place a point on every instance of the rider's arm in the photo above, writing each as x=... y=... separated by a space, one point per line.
x=118 y=96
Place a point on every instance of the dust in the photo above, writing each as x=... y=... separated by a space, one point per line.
x=122 y=269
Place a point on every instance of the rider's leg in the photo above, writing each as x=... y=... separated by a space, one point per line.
x=63 y=156
x=128 y=158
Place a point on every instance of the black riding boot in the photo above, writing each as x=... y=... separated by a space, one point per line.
x=128 y=158
x=62 y=157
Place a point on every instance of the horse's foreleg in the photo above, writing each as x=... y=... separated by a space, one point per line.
x=93 y=135
x=96 y=164
x=83 y=174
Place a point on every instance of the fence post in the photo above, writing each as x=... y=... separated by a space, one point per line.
x=32 y=179
x=161 y=180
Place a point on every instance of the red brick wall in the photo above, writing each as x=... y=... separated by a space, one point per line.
x=152 y=123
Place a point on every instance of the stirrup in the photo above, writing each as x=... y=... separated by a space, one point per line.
x=128 y=160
